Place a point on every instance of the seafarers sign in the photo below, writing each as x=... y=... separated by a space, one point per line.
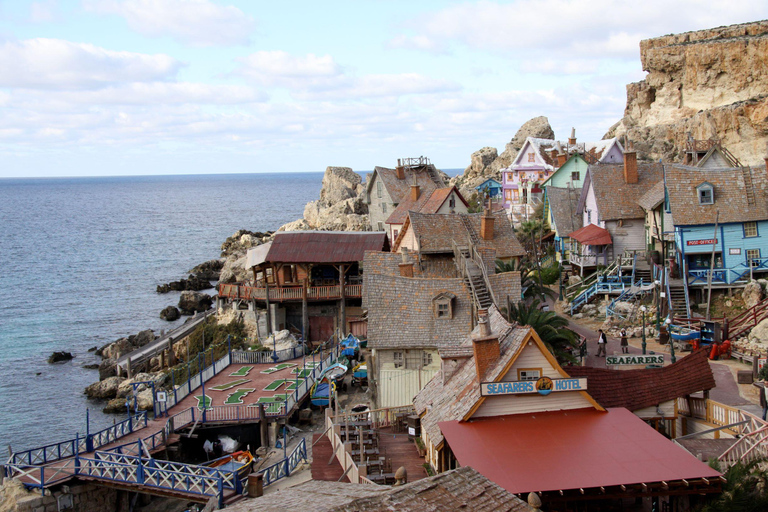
x=635 y=359
x=543 y=386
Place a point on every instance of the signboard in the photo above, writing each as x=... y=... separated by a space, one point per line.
x=734 y=252
x=702 y=242
x=632 y=359
x=761 y=362
x=543 y=386
x=161 y=397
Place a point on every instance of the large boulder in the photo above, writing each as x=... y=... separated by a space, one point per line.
x=234 y=270
x=208 y=270
x=125 y=387
x=104 y=389
x=759 y=333
x=125 y=345
x=60 y=357
x=752 y=294
x=170 y=313
x=194 y=302
x=240 y=242
x=192 y=283
x=339 y=184
x=107 y=368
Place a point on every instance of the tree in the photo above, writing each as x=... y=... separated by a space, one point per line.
x=744 y=489
x=552 y=329
x=529 y=278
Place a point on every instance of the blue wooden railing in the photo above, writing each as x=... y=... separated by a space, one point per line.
x=728 y=275
x=283 y=468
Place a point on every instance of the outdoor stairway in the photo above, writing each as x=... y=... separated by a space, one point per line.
x=476 y=283
x=677 y=300
x=643 y=274
x=470 y=230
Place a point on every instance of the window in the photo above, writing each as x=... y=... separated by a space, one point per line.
x=442 y=310
x=508 y=193
x=589 y=216
x=426 y=359
x=394 y=235
x=384 y=207
x=528 y=374
x=509 y=177
x=381 y=226
x=753 y=257
x=452 y=201
x=750 y=229
x=531 y=157
x=575 y=176
x=378 y=189
x=705 y=193
x=398 y=359
x=443 y=305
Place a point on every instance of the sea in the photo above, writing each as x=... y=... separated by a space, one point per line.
x=80 y=260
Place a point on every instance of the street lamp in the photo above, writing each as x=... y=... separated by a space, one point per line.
x=668 y=321
x=643 y=309
x=657 y=284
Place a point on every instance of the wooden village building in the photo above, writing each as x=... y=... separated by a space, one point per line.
x=307 y=280
x=437 y=200
x=563 y=217
x=504 y=406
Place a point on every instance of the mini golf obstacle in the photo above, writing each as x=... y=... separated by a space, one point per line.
x=204 y=402
x=277 y=368
x=275 y=385
x=242 y=371
x=230 y=385
x=303 y=374
x=236 y=398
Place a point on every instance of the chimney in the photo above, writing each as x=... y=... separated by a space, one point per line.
x=572 y=139
x=415 y=190
x=400 y=170
x=486 y=223
x=630 y=164
x=561 y=156
x=406 y=267
x=485 y=345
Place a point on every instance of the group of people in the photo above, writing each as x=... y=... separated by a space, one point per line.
x=602 y=341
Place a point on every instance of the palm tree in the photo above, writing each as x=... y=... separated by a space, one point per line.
x=744 y=489
x=552 y=329
x=529 y=278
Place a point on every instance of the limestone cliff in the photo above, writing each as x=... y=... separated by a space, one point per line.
x=709 y=83
x=486 y=163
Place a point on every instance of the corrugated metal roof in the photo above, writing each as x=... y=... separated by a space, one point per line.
x=257 y=255
x=324 y=246
x=564 y=450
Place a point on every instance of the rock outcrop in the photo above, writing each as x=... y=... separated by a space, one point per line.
x=209 y=270
x=125 y=345
x=706 y=84
x=194 y=302
x=487 y=163
x=60 y=357
x=170 y=313
x=192 y=283
x=341 y=206
x=234 y=249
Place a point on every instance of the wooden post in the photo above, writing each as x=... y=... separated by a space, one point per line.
x=712 y=265
x=128 y=368
x=343 y=299
x=305 y=311
x=263 y=427
x=269 y=314
x=171 y=354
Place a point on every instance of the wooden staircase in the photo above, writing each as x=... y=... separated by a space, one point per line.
x=476 y=282
x=677 y=300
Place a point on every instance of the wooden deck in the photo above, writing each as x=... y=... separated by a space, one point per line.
x=402 y=452
x=322 y=452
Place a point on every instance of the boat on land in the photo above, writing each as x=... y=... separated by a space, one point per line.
x=239 y=462
x=322 y=392
x=350 y=346
x=335 y=372
x=360 y=374
x=684 y=333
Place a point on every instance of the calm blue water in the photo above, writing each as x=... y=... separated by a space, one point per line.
x=79 y=262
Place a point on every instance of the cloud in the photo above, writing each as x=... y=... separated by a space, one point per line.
x=58 y=64
x=279 y=68
x=195 y=22
x=598 y=28
x=164 y=93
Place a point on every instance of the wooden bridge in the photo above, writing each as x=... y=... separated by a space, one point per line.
x=121 y=456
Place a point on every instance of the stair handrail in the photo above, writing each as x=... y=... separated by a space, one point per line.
x=480 y=263
x=748 y=319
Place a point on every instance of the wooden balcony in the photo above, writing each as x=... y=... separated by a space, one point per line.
x=289 y=293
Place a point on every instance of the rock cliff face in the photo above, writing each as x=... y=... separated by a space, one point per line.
x=709 y=83
x=486 y=163
x=341 y=206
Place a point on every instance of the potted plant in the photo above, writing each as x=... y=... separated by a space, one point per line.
x=420 y=447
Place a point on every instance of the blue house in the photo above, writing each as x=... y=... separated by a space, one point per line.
x=724 y=211
x=491 y=187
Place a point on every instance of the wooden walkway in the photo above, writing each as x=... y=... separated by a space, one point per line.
x=402 y=452
x=322 y=452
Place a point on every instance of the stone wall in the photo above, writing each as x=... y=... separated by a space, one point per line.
x=83 y=498
x=707 y=83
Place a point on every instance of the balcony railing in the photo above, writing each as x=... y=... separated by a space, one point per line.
x=289 y=293
x=736 y=274
x=586 y=260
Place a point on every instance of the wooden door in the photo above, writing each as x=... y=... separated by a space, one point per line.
x=320 y=328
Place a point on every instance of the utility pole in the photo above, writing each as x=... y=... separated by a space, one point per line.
x=712 y=265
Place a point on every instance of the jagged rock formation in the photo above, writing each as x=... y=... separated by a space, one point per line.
x=709 y=83
x=486 y=163
x=341 y=206
x=234 y=250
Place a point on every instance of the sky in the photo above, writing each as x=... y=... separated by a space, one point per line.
x=137 y=87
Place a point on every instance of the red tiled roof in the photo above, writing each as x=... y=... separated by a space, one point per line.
x=636 y=389
x=592 y=235
x=324 y=246
x=429 y=201
x=577 y=449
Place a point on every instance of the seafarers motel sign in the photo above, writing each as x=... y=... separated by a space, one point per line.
x=543 y=386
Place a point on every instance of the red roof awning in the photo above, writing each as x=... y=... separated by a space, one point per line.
x=592 y=235
x=564 y=450
x=324 y=246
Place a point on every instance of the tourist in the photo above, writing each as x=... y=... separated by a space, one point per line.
x=601 y=341
x=624 y=344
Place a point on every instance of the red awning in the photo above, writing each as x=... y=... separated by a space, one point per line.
x=564 y=450
x=592 y=235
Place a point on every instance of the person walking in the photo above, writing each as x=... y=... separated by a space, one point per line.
x=601 y=342
x=624 y=344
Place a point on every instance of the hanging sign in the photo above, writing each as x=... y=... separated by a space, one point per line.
x=543 y=386
x=633 y=359
x=734 y=252
x=161 y=397
x=761 y=362
x=702 y=242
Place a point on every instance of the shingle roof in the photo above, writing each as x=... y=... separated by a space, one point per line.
x=435 y=233
x=324 y=246
x=617 y=199
x=731 y=195
x=397 y=189
x=592 y=235
x=462 y=489
x=427 y=202
x=564 y=205
x=452 y=400
x=401 y=311
x=653 y=197
x=636 y=389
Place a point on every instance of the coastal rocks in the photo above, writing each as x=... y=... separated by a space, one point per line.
x=107 y=368
x=104 y=389
x=209 y=270
x=60 y=357
x=340 y=184
x=125 y=387
x=125 y=345
x=170 y=313
x=192 y=283
x=752 y=294
x=243 y=240
x=194 y=302
x=234 y=270
x=703 y=84
x=487 y=163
